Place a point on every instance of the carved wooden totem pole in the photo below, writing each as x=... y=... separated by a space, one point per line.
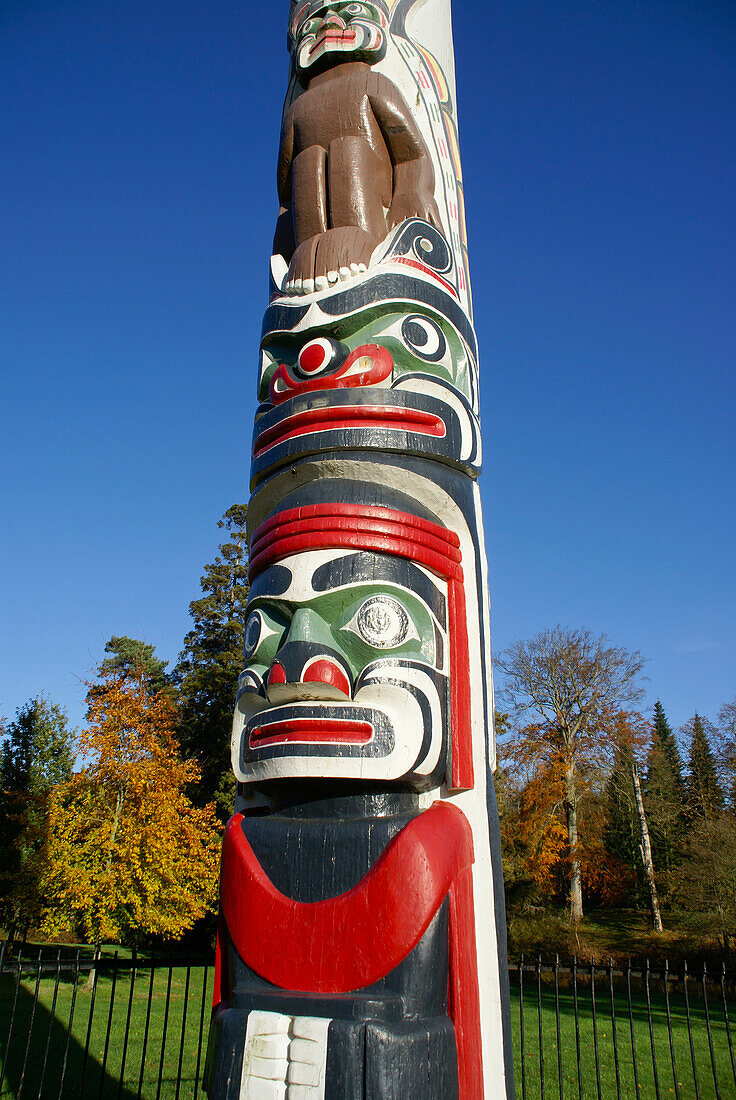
x=361 y=947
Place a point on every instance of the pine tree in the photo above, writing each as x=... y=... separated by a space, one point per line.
x=210 y=662
x=705 y=797
x=36 y=755
x=622 y=833
x=665 y=795
x=128 y=658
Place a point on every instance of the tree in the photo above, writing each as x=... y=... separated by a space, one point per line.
x=664 y=796
x=571 y=685
x=35 y=756
x=705 y=799
x=705 y=882
x=726 y=743
x=128 y=856
x=128 y=657
x=622 y=832
x=210 y=662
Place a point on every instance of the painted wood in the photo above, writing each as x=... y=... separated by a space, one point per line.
x=361 y=893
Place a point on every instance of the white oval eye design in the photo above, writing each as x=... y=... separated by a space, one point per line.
x=355 y=9
x=382 y=623
x=424 y=338
x=256 y=631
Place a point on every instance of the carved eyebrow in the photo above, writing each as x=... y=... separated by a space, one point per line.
x=275 y=581
x=367 y=567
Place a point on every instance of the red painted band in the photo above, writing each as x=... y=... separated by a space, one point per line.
x=343 y=417
x=464 y=998
x=360 y=511
x=463 y=771
x=353 y=539
x=376 y=527
x=426 y=271
x=311 y=730
x=354 y=940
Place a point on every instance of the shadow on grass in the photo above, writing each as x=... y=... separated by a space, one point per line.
x=43 y=1060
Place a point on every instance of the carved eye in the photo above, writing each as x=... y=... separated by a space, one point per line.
x=382 y=623
x=252 y=634
x=322 y=356
x=424 y=338
x=255 y=633
x=355 y=9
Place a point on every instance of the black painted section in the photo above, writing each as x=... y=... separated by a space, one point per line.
x=390 y=1039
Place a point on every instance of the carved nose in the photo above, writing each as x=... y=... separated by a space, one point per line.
x=298 y=675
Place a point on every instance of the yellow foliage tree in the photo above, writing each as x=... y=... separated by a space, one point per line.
x=128 y=854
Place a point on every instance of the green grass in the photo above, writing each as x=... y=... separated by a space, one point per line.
x=604 y=1033
x=43 y=1026
x=51 y=1027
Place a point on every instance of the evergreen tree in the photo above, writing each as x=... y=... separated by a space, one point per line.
x=665 y=795
x=622 y=833
x=210 y=662
x=128 y=658
x=35 y=756
x=705 y=797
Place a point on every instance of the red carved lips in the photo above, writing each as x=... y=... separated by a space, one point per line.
x=333 y=34
x=328 y=731
x=343 y=417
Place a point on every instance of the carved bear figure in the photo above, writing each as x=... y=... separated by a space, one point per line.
x=352 y=162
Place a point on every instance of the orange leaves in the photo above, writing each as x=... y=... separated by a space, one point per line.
x=129 y=855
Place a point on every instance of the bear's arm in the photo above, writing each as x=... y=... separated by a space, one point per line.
x=283 y=240
x=413 y=172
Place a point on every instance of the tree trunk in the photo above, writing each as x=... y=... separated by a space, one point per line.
x=571 y=814
x=646 y=852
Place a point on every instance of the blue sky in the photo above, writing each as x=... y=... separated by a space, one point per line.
x=137 y=202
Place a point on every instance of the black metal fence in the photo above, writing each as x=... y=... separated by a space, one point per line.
x=108 y=1028
x=599 y=1032
x=114 y=1028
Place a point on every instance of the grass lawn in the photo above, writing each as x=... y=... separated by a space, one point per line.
x=528 y=1082
x=46 y=1074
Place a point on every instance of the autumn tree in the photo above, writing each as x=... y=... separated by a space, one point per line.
x=705 y=800
x=128 y=854
x=210 y=662
x=563 y=689
x=35 y=756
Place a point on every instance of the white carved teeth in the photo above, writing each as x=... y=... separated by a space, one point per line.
x=354 y=269
x=321 y=282
x=332 y=277
x=308 y=286
x=344 y=274
x=362 y=268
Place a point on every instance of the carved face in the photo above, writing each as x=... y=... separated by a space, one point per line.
x=400 y=379
x=324 y=34
x=346 y=671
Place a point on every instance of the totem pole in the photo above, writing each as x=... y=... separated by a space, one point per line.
x=361 y=945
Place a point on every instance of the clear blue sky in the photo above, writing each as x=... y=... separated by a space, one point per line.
x=137 y=152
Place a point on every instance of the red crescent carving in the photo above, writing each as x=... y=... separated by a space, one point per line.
x=354 y=940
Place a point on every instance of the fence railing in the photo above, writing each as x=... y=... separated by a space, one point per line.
x=109 y=1028
x=600 y=1031
x=74 y=1027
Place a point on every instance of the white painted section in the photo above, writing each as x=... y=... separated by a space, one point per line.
x=284 y=1058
